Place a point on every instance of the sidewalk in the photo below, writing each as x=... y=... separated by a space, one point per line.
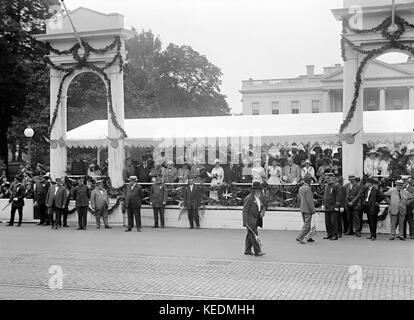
x=198 y=264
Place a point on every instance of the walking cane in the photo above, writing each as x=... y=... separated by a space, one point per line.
x=256 y=237
x=5 y=207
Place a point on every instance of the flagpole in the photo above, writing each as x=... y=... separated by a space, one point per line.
x=393 y=12
x=73 y=26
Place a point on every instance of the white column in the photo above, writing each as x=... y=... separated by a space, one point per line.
x=352 y=157
x=58 y=155
x=326 y=102
x=382 y=99
x=411 y=98
x=116 y=156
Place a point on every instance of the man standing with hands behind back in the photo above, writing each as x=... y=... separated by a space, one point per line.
x=253 y=213
x=56 y=201
x=81 y=195
x=100 y=203
x=132 y=203
x=158 y=200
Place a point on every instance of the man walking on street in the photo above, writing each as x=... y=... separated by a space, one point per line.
x=81 y=195
x=253 y=213
x=307 y=208
x=192 y=203
x=132 y=204
x=158 y=200
x=100 y=203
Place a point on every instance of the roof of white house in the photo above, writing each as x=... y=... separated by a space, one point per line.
x=379 y=127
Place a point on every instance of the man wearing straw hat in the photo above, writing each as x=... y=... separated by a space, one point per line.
x=307 y=208
x=253 y=213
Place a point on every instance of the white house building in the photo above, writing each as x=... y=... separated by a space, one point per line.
x=386 y=87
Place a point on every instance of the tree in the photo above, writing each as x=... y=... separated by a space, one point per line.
x=189 y=84
x=21 y=57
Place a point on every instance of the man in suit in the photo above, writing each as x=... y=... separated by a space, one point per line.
x=371 y=197
x=132 y=203
x=192 y=203
x=17 y=201
x=307 y=208
x=158 y=200
x=353 y=206
x=232 y=173
x=40 y=193
x=331 y=214
x=397 y=215
x=291 y=171
x=253 y=212
x=100 y=204
x=81 y=195
x=56 y=201
x=143 y=170
x=340 y=206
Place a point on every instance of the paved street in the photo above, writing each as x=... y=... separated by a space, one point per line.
x=197 y=264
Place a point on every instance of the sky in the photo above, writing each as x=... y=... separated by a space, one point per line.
x=259 y=39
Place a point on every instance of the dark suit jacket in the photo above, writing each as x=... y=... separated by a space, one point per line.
x=352 y=195
x=19 y=193
x=133 y=197
x=251 y=212
x=158 y=195
x=330 y=195
x=192 y=199
x=143 y=173
x=60 y=197
x=340 y=196
x=81 y=195
x=375 y=197
x=41 y=192
x=232 y=174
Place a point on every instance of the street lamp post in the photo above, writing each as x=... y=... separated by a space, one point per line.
x=29 y=133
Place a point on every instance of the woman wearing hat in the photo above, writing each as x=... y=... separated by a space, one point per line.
x=371 y=164
x=275 y=173
x=307 y=169
x=410 y=163
x=258 y=172
x=217 y=175
x=253 y=213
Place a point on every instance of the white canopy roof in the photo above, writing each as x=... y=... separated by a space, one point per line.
x=379 y=127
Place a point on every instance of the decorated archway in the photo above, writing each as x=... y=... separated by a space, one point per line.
x=101 y=50
x=381 y=29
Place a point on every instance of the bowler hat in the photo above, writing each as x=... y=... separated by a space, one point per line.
x=351 y=177
x=370 y=180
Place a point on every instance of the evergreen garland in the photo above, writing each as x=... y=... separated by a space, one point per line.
x=393 y=43
x=82 y=62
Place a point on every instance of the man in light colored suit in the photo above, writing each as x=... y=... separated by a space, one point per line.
x=307 y=208
x=100 y=203
x=291 y=172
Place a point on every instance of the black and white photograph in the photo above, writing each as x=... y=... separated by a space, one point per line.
x=207 y=156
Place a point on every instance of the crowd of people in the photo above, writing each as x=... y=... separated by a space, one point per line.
x=343 y=205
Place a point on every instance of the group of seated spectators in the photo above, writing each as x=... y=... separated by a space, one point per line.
x=82 y=167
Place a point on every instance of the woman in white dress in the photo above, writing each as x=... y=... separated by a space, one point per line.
x=217 y=175
x=258 y=172
x=275 y=173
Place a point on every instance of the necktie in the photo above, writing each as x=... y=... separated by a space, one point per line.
x=290 y=169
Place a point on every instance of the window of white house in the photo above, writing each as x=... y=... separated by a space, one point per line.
x=255 y=108
x=372 y=105
x=397 y=104
x=315 y=106
x=295 y=107
x=275 y=107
